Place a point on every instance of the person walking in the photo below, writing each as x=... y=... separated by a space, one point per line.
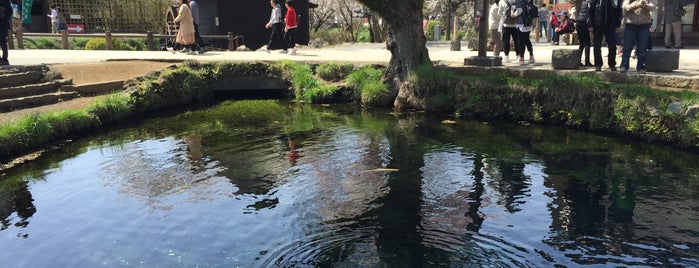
x=604 y=21
x=544 y=22
x=583 y=32
x=5 y=18
x=194 y=7
x=290 y=27
x=637 y=22
x=16 y=16
x=277 y=25
x=185 y=35
x=524 y=25
x=54 y=18
x=494 y=26
x=553 y=23
x=673 y=22
x=509 y=30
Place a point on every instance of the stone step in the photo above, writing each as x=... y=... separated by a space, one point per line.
x=7 y=105
x=34 y=89
x=20 y=78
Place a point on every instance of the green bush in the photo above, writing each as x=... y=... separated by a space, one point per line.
x=79 y=43
x=43 y=43
x=101 y=44
x=334 y=72
x=134 y=44
x=369 y=82
x=333 y=36
x=429 y=33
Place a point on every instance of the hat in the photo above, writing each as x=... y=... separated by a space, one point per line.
x=564 y=13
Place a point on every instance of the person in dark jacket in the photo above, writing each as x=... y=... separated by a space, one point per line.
x=5 y=18
x=583 y=32
x=604 y=20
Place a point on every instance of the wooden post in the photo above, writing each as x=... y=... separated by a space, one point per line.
x=64 y=39
x=20 y=39
x=231 y=39
x=149 y=41
x=108 y=37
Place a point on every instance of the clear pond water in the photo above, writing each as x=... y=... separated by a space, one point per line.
x=276 y=184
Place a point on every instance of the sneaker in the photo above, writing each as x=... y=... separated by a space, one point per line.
x=4 y=62
x=598 y=68
x=171 y=49
x=667 y=47
x=284 y=51
x=292 y=51
x=191 y=52
x=201 y=50
x=521 y=60
x=531 y=59
x=266 y=50
x=506 y=59
x=588 y=64
x=623 y=70
x=184 y=50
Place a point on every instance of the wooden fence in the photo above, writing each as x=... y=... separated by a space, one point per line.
x=233 y=40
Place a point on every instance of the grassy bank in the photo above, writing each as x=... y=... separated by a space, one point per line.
x=579 y=101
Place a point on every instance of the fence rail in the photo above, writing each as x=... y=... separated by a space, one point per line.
x=233 y=40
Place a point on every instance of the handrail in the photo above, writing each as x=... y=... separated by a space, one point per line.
x=233 y=40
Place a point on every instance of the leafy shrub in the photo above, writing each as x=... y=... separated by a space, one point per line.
x=79 y=43
x=334 y=72
x=429 y=33
x=101 y=44
x=43 y=43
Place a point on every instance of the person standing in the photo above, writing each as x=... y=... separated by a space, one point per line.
x=673 y=22
x=509 y=30
x=276 y=24
x=604 y=21
x=185 y=35
x=583 y=32
x=16 y=16
x=194 y=7
x=494 y=26
x=637 y=22
x=290 y=27
x=543 y=22
x=5 y=18
x=54 y=18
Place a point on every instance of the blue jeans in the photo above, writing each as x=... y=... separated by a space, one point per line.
x=635 y=34
x=544 y=30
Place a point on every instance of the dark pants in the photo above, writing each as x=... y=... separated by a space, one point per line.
x=608 y=32
x=507 y=33
x=523 y=42
x=289 y=38
x=4 y=27
x=584 y=39
x=277 y=36
x=197 y=37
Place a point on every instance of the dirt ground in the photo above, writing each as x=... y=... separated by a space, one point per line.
x=89 y=73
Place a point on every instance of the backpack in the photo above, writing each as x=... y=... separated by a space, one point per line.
x=531 y=10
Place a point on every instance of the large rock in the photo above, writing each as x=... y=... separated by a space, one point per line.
x=565 y=58
x=662 y=60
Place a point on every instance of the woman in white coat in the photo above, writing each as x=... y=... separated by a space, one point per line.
x=185 y=35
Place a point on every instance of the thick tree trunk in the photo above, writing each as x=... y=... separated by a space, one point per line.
x=406 y=41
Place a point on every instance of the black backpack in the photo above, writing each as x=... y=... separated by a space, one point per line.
x=532 y=12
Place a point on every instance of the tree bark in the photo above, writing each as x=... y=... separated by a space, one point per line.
x=406 y=41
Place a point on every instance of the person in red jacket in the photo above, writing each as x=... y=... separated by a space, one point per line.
x=290 y=28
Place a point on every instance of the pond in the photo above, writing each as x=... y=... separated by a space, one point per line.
x=279 y=184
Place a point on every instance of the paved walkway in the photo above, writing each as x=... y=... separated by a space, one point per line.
x=357 y=53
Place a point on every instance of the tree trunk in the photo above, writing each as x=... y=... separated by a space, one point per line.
x=406 y=41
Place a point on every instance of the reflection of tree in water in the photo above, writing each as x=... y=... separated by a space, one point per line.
x=15 y=198
x=508 y=179
x=154 y=170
